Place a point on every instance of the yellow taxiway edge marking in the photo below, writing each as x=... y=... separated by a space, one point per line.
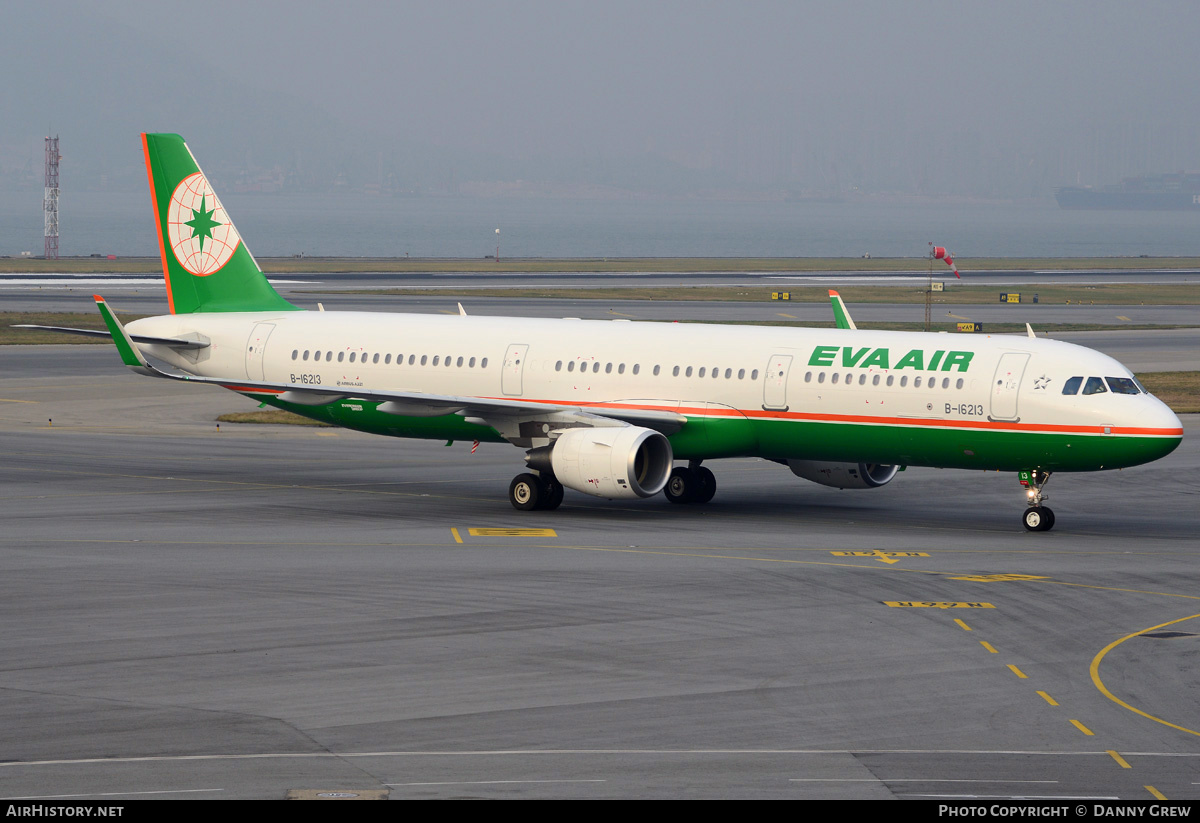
x=965 y=627
x=988 y=646
x=934 y=604
x=1048 y=699
x=1156 y=793
x=781 y=314
x=1095 y=671
x=512 y=532
x=957 y=317
x=1120 y=760
x=1019 y=673
x=5 y=400
x=1083 y=728
x=457 y=536
x=1122 y=317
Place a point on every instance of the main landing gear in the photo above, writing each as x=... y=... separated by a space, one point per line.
x=690 y=484
x=1037 y=518
x=528 y=492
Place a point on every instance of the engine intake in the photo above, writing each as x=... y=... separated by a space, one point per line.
x=844 y=475
x=617 y=462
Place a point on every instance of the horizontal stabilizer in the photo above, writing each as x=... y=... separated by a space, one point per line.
x=173 y=342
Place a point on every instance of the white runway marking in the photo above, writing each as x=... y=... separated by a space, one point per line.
x=108 y=794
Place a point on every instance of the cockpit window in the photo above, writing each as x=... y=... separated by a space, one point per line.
x=1072 y=385
x=1094 y=385
x=1140 y=386
x=1122 y=385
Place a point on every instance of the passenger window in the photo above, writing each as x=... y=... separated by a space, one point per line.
x=741 y=374
x=849 y=379
x=296 y=353
x=471 y=363
x=891 y=379
x=557 y=366
x=375 y=357
x=701 y=371
x=1072 y=385
x=821 y=377
x=435 y=359
x=607 y=368
x=862 y=380
x=637 y=367
x=483 y=363
x=1094 y=385
x=959 y=383
x=945 y=382
x=754 y=374
x=341 y=355
x=1122 y=385
x=459 y=362
x=387 y=360
x=424 y=359
x=808 y=377
x=621 y=369
x=916 y=382
x=688 y=372
x=675 y=372
x=571 y=365
x=352 y=354
x=412 y=358
x=449 y=361
x=834 y=379
x=875 y=380
x=904 y=381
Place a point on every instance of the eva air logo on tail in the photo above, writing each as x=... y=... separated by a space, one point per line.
x=201 y=235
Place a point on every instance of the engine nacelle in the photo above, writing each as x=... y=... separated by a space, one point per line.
x=844 y=475
x=616 y=462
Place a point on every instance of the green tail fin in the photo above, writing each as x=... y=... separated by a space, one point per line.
x=840 y=315
x=205 y=262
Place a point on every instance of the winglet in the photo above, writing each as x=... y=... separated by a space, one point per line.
x=840 y=315
x=128 y=351
x=461 y=311
x=1029 y=329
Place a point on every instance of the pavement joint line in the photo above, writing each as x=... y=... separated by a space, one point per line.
x=109 y=794
x=1094 y=669
x=1122 y=762
x=11 y=764
x=1083 y=728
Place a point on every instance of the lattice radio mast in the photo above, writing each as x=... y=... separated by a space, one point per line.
x=50 y=202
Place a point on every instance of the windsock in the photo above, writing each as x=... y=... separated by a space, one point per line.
x=940 y=253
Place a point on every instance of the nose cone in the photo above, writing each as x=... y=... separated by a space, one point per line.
x=1158 y=430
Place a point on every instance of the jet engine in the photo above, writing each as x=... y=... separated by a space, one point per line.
x=612 y=462
x=844 y=475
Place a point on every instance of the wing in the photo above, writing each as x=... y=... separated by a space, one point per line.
x=511 y=417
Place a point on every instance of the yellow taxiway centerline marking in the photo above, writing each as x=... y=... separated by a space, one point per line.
x=988 y=646
x=5 y=400
x=965 y=627
x=1018 y=672
x=958 y=317
x=1123 y=317
x=457 y=537
x=1156 y=793
x=618 y=314
x=1095 y=671
x=1048 y=699
x=1083 y=728
x=1120 y=760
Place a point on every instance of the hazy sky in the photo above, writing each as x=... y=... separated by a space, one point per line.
x=892 y=95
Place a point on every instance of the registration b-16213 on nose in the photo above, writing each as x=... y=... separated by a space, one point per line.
x=608 y=408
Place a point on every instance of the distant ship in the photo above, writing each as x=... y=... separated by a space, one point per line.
x=1160 y=192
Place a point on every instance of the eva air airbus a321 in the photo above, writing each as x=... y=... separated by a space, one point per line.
x=607 y=408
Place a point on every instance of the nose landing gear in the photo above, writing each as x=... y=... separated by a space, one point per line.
x=1037 y=518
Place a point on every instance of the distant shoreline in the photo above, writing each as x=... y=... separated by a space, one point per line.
x=415 y=265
